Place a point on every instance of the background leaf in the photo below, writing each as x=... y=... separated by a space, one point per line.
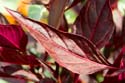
x=95 y=22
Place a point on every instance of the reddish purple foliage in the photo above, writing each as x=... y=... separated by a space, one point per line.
x=74 y=54
x=95 y=22
x=68 y=46
x=12 y=36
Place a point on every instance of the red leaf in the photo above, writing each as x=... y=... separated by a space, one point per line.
x=95 y=22
x=12 y=36
x=14 y=56
x=10 y=68
x=64 y=47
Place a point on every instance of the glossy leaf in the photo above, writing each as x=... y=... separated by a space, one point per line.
x=73 y=52
x=95 y=22
x=12 y=36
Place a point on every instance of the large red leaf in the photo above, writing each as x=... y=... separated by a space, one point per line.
x=14 y=56
x=12 y=36
x=64 y=47
x=95 y=22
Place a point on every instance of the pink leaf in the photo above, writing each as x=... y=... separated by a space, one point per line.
x=95 y=22
x=64 y=47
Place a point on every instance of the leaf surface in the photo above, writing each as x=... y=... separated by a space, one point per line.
x=73 y=52
x=12 y=36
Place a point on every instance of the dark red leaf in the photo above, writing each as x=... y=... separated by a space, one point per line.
x=12 y=36
x=95 y=22
x=10 y=77
x=14 y=56
x=119 y=58
x=122 y=75
x=11 y=68
x=64 y=47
